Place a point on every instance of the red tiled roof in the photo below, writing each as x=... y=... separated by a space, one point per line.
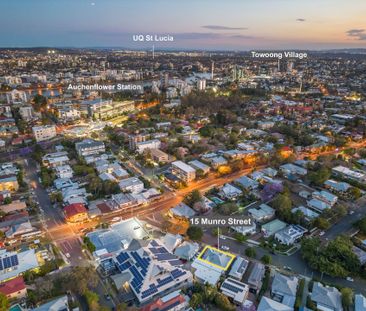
x=12 y=286
x=74 y=209
x=161 y=305
x=104 y=208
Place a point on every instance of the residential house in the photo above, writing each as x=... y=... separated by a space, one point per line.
x=326 y=298
x=290 y=234
x=284 y=289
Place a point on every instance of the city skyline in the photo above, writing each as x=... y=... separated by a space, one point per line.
x=206 y=25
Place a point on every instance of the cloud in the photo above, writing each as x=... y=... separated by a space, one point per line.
x=219 y=27
x=301 y=20
x=359 y=34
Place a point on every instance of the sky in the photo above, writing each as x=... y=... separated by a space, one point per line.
x=194 y=24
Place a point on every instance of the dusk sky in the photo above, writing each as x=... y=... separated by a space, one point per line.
x=195 y=24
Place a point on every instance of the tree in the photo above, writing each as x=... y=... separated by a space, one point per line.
x=266 y=259
x=336 y=259
x=79 y=279
x=347 y=297
x=228 y=208
x=320 y=176
x=195 y=233
x=223 y=303
x=321 y=223
x=192 y=197
x=4 y=302
x=39 y=102
x=250 y=252
x=196 y=300
x=89 y=245
x=7 y=200
x=93 y=300
x=355 y=192
x=361 y=225
x=282 y=202
x=340 y=210
x=240 y=237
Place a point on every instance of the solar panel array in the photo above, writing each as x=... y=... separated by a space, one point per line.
x=152 y=290
x=176 y=273
x=9 y=262
x=138 y=266
x=165 y=281
x=231 y=288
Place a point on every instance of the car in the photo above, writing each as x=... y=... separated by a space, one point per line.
x=67 y=255
x=321 y=233
x=349 y=279
x=225 y=248
x=287 y=268
x=116 y=219
x=351 y=212
x=107 y=297
x=222 y=237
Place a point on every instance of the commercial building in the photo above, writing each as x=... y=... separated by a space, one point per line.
x=75 y=212
x=105 y=108
x=45 y=132
x=183 y=171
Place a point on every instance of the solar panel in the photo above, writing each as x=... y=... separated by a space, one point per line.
x=125 y=266
x=122 y=257
x=149 y=292
x=6 y=262
x=165 y=281
x=177 y=273
x=14 y=260
x=162 y=250
x=166 y=256
x=176 y=262
x=231 y=288
x=154 y=243
x=154 y=250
